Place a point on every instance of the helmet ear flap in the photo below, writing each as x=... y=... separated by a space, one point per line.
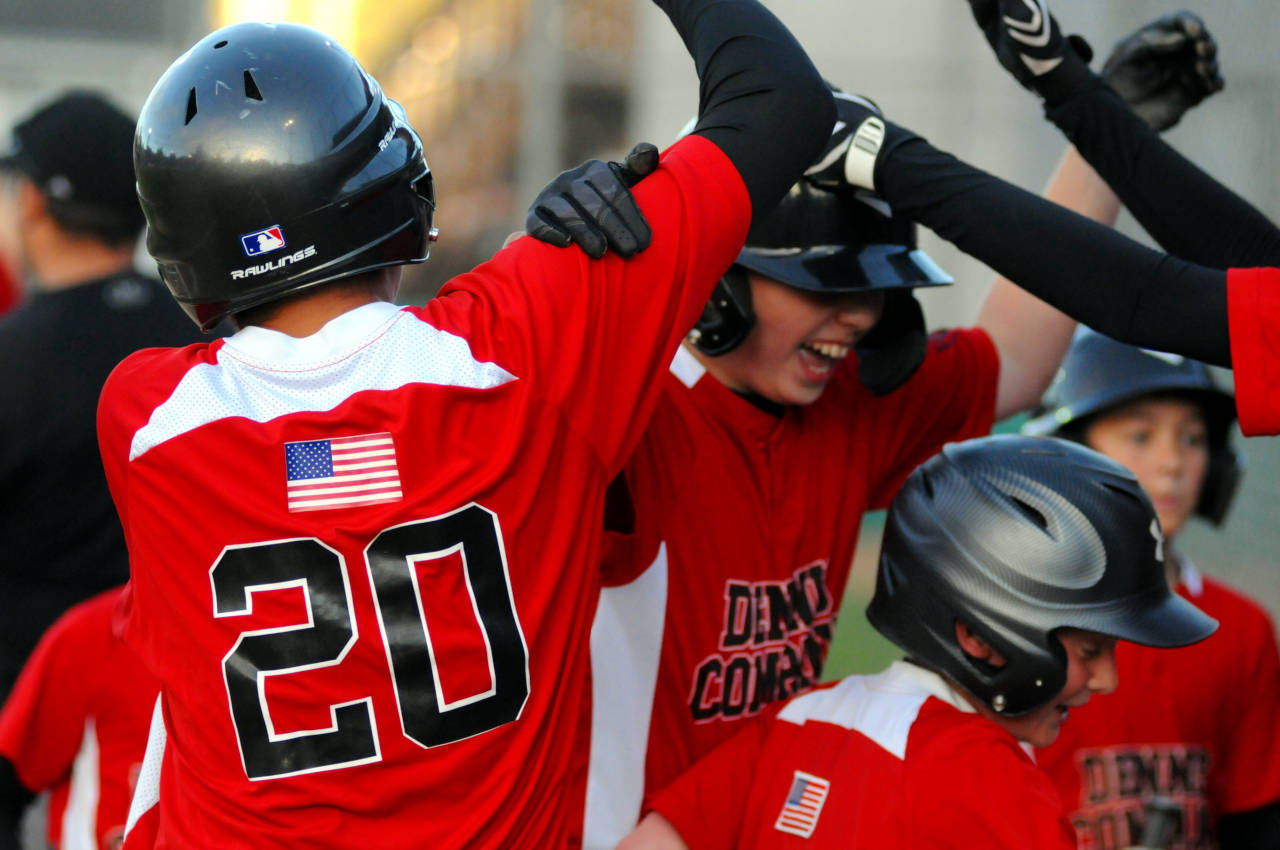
x=893 y=350
x=727 y=317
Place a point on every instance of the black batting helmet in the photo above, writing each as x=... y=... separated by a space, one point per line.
x=269 y=161
x=1016 y=537
x=822 y=241
x=1100 y=374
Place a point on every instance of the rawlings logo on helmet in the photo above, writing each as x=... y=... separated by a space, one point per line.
x=278 y=263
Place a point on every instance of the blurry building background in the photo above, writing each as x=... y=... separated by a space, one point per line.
x=508 y=92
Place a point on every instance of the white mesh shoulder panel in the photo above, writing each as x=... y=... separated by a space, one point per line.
x=146 y=793
x=882 y=707
x=261 y=374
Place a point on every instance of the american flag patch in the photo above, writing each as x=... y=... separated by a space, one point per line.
x=341 y=473
x=799 y=814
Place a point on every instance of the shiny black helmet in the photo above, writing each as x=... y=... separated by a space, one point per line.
x=269 y=161
x=823 y=241
x=1100 y=374
x=1018 y=536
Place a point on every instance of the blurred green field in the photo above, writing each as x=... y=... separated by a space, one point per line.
x=855 y=646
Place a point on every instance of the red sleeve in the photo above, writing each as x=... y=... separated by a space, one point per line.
x=42 y=725
x=1247 y=775
x=952 y=396
x=1253 y=317
x=595 y=335
x=707 y=803
x=975 y=787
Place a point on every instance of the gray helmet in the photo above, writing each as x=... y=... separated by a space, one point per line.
x=1016 y=537
x=826 y=241
x=269 y=161
x=1100 y=374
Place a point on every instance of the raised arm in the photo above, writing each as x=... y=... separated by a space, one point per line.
x=759 y=97
x=760 y=100
x=1083 y=268
x=1188 y=212
x=1031 y=336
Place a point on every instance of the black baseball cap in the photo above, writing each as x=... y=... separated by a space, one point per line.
x=78 y=150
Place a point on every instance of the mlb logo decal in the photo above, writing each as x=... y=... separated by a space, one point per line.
x=263 y=241
x=799 y=815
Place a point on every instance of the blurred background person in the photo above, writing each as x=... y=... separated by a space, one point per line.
x=75 y=726
x=1201 y=725
x=69 y=199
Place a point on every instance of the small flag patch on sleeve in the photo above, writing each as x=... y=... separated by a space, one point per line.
x=800 y=812
x=343 y=472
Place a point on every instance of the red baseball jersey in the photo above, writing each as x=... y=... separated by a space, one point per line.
x=894 y=760
x=745 y=523
x=1199 y=724
x=364 y=562
x=76 y=725
x=1253 y=315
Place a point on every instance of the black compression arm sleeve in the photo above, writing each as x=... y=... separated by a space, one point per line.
x=1189 y=213
x=760 y=99
x=1258 y=829
x=1083 y=268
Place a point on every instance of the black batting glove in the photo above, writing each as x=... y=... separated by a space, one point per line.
x=1030 y=45
x=860 y=140
x=1165 y=68
x=591 y=206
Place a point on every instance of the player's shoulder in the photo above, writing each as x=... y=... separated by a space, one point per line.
x=973 y=340
x=945 y=735
x=156 y=370
x=1231 y=606
x=142 y=382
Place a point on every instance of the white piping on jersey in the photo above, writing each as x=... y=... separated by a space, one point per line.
x=882 y=707
x=146 y=794
x=686 y=367
x=80 y=817
x=626 y=643
x=262 y=374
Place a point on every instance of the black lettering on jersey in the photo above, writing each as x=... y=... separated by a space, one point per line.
x=330 y=631
x=772 y=646
x=1116 y=782
x=738 y=615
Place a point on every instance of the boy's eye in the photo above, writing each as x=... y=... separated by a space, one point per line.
x=1090 y=651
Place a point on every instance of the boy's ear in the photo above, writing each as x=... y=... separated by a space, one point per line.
x=977 y=647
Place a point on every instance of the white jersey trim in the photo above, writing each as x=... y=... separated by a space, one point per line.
x=882 y=707
x=80 y=818
x=146 y=794
x=1191 y=576
x=686 y=367
x=626 y=644
x=262 y=374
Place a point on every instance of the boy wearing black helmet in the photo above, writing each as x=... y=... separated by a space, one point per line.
x=1196 y=739
x=364 y=539
x=1008 y=571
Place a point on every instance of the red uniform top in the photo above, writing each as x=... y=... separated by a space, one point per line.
x=894 y=760
x=1253 y=315
x=364 y=562
x=745 y=528
x=10 y=289
x=76 y=724
x=1198 y=724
